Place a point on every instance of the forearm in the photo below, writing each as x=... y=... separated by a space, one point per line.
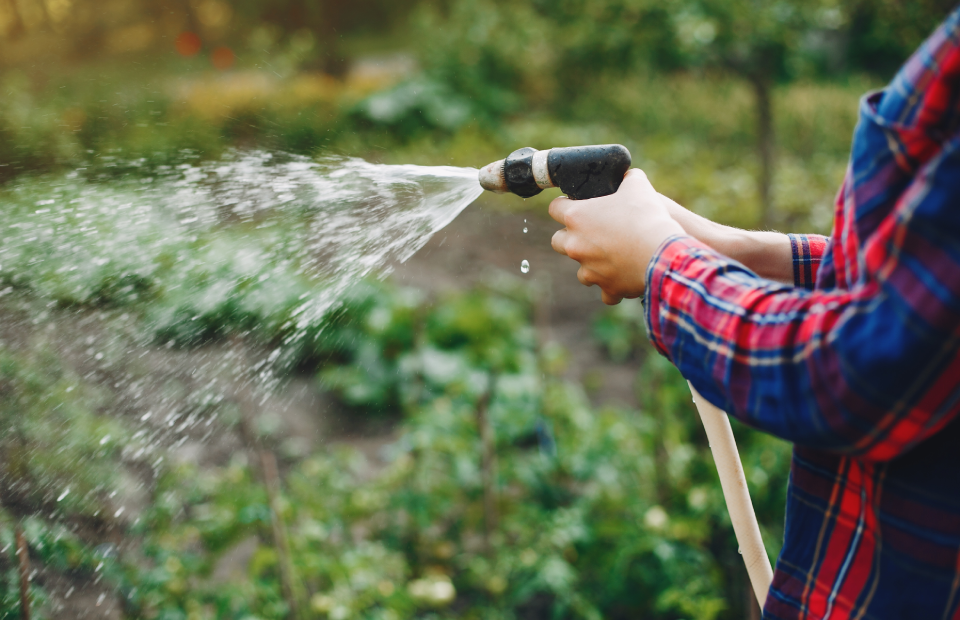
x=841 y=370
x=768 y=254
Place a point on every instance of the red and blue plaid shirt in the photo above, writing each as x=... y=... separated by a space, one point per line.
x=858 y=364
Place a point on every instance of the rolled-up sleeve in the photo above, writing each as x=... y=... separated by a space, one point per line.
x=870 y=371
x=808 y=251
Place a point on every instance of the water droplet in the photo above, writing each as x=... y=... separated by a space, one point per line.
x=524 y=266
x=524 y=229
x=739 y=550
x=64 y=494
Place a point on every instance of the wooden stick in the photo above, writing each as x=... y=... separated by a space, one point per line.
x=270 y=477
x=23 y=554
x=488 y=465
x=735 y=492
x=288 y=578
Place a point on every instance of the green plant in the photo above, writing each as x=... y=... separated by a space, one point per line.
x=609 y=513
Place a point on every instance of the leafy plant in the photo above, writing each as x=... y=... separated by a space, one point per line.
x=609 y=513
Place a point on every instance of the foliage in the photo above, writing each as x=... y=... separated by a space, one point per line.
x=882 y=33
x=599 y=513
x=608 y=513
x=57 y=468
x=56 y=547
x=495 y=51
x=620 y=329
x=553 y=56
x=49 y=429
x=415 y=106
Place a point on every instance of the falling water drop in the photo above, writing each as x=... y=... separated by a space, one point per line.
x=524 y=229
x=524 y=266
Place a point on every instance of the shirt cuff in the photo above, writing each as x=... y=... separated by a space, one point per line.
x=808 y=251
x=668 y=256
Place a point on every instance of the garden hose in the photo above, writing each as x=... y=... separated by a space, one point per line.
x=584 y=172
x=723 y=446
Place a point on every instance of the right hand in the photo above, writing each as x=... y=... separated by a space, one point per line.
x=614 y=237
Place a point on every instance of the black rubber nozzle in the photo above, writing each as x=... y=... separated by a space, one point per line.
x=581 y=172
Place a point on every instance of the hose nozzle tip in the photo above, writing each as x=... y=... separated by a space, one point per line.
x=492 y=179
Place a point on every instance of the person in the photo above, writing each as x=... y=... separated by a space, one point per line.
x=847 y=346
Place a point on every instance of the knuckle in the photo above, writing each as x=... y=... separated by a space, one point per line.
x=573 y=217
x=556 y=208
x=636 y=176
x=556 y=242
x=586 y=277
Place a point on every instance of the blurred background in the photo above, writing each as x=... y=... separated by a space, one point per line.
x=458 y=440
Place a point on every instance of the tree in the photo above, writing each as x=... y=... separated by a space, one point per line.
x=764 y=42
x=884 y=32
x=759 y=41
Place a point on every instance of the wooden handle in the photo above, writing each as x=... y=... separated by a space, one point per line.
x=735 y=492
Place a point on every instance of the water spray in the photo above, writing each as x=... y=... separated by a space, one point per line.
x=583 y=172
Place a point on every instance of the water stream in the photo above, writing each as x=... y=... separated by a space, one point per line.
x=255 y=236
x=163 y=300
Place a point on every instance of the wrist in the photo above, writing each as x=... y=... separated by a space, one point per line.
x=768 y=254
x=657 y=233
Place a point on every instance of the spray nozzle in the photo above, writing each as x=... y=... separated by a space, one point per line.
x=580 y=172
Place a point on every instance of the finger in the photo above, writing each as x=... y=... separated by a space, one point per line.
x=635 y=177
x=559 y=207
x=559 y=241
x=610 y=300
x=586 y=277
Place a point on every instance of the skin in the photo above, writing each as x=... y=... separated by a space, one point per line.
x=614 y=237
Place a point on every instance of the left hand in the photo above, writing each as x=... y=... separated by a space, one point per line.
x=614 y=237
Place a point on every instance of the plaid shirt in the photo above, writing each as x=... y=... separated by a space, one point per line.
x=858 y=364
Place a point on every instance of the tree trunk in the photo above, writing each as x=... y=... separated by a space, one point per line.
x=23 y=557
x=331 y=19
x=16 y=29
x=762 y=88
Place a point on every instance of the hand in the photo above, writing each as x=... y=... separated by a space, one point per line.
x=614 y=237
